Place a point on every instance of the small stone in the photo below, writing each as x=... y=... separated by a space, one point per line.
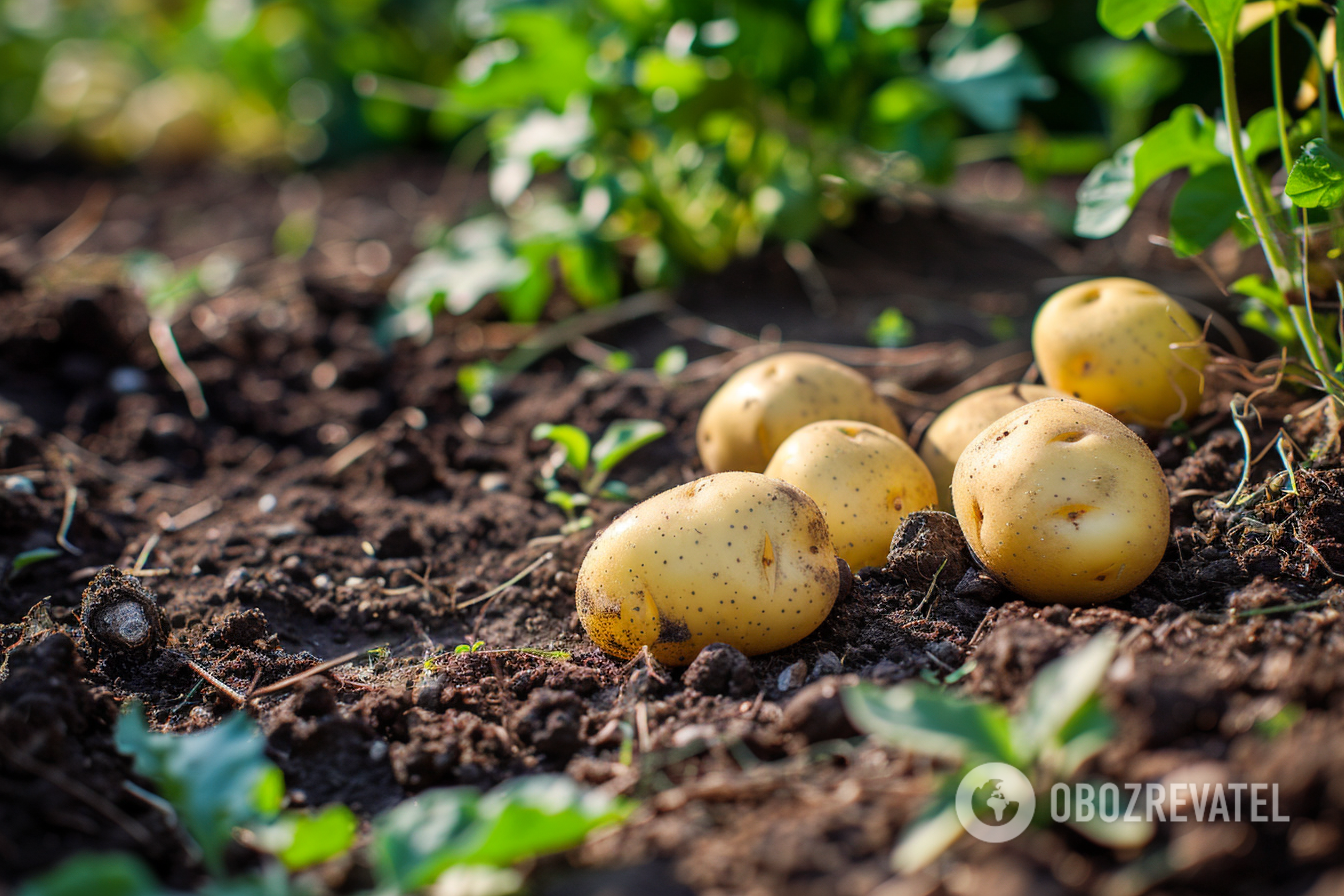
x=827 y=664
x=792 y=677
x=494 y=482
x=266 y=503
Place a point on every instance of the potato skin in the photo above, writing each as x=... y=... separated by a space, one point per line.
x=1062 y=503
x=964 y=419
x=1108 y=341
x=746 y=419
x=734 y=557
x=864 y=479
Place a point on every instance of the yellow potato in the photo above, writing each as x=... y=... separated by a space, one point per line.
x=1062 y=503
x=756 y=409
x=733 y=557
x=864 y=479
x=1124 y=346
x=964 y=419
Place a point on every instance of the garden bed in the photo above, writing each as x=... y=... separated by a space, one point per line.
x=339 y=499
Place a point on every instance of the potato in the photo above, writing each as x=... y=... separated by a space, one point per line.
x=964 y=419
x=756 y=409
x=864 y=479
x=1110 y=343
x=1062 y=503
x=733 y=557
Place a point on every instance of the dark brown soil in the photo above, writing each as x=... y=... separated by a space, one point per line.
x=341 y=498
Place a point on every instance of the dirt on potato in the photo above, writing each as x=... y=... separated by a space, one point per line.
x=341 y=500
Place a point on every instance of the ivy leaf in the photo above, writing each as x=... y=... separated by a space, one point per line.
x=1317 y=178
x=1126 y=18
x=623 y=438
x=1204 y=209
x=217 y=779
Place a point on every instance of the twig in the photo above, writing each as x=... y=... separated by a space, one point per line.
x=513 y=581
x=799 y=257
x=984 y=620
x=1282 y=608
x=71 y=499
x=932 y=584
x=191 y=516
x=71 y=233
x=219 y=685
x=161 y=334
x=150 y=544
x=297 y=677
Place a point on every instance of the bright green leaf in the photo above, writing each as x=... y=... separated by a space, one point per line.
x=1220 y=17
x=104 y=874
x=1105 y=197
x=1204 y=209
x=216 y=779
x=303 y=839
x=670 y=361
x=1187 y=139
x=1060 y=690
x=1090 y=729
x=574 y=440
x=824 y=18
x=1317 y=178
x=929 y=721
x=623 y=438
x=988 y=75
x=1126 y=18
x=28 y=558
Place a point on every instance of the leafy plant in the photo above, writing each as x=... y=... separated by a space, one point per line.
x=1062 y=726
x=1298 y=228
x=591 y=464
x=671 y=135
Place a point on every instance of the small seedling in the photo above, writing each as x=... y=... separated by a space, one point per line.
x=591 y=464
x=1062 y=726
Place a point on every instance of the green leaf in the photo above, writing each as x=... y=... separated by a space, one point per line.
x=929 y=835
x=303 y=839
x=28 y=558
x=1204 y=208
x=421 y=838
x=1126 y=18
x=1106 y=195
x=670 y=361
x=1058 y=692
x=988 y=75
x=104 y=874
x=1220 y=17
x=477 y=259
x=1317 y=178
x=574 y=440
x=1090 y=729
x=824 y=18
x=891 y=329
x=1187 y=139
x=216 y=779
x=929 y=721
x=622 y=439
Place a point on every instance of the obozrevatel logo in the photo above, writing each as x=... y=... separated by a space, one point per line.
x=995 y=802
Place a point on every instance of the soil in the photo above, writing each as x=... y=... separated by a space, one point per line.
x=341 y=499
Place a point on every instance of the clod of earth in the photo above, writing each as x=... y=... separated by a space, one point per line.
x=865 y=480
x=1124 y=346
x=734 y=557
x=761 y=404
x=1063 y=503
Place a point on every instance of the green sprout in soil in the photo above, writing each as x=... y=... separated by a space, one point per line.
x=1062 y=726
x=1299 y=228
x=591 y=464
x=220 y=790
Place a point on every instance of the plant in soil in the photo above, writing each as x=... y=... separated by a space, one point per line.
x=590 y=464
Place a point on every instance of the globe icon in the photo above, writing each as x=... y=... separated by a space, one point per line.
x=990 y=804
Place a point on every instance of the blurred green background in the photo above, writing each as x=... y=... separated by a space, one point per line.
x=626 y=140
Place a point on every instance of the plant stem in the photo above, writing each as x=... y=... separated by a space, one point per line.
x=1250 y=189
x=1280 y=112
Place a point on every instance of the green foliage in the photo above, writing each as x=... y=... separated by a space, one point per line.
x=591 y=464
x=1226 y=189
x=1062 y=726
x=303 y=839
x=107 y=874
x=29 y=558
x=418 y=840
x=216 y=780
x=891 y=329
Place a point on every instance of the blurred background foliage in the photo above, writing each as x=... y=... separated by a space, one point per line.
x=626 y=140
